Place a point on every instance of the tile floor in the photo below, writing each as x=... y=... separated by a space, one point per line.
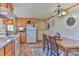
x=26 y=49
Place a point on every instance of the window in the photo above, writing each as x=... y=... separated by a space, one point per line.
x=10 y=27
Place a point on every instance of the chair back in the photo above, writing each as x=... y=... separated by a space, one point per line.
x=45 y=38
x=53 y=45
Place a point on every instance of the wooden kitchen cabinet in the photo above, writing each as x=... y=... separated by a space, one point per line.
x=2 y=51
x=21 y=22
x=7 y=5
x=9 y=49
x=9 y=53
x=18 y=23
x=10 y=7
x=22 y=37
x=7 y=21
x=3 y=4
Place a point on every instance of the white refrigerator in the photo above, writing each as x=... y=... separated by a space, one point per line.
x=31 y=34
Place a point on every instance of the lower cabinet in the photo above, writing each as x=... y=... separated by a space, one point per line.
x=22 y=37
x=9 y=53
x=9 y=50
x=1 y=51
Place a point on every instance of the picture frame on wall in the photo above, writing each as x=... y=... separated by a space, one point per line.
x=53 y=22
x=48 y=26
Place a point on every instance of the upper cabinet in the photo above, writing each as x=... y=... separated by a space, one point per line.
x=3 y=4
x=21 y=22
x=8 y=17
x=7 y=21
x=7 y=5
x=6 y=13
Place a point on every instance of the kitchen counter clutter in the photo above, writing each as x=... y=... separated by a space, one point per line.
x=9 y=45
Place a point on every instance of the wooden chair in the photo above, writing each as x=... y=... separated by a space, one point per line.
x=45 y=43
x=54 y=47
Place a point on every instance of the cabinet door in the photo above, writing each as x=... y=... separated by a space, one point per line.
x=9 y=49
x=18 y=23
x=3 y=4
x=23 y=22
x=9 y=6
x=9 y=53
x=22 y=37
x=2 y=51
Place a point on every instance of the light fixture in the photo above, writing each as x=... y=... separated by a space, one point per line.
x=60 y=11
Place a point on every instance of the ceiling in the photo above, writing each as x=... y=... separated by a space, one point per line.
x=37 y=10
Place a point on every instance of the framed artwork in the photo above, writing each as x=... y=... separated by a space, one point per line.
x=52 y=22
x=48 y=26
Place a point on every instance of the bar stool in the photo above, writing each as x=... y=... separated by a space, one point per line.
x=46 y=43
x=54 y=48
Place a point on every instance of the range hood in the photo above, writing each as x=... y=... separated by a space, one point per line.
x=6 y=13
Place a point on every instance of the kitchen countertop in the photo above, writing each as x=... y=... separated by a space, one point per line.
x=7 y=39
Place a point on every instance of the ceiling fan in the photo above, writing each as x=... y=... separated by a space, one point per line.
x=60 y=11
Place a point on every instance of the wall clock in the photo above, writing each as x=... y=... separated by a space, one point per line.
x=70 y=21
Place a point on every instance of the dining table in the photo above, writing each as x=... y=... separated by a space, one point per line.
x=68 y=45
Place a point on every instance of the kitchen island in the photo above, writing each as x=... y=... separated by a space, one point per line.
x=9 y=45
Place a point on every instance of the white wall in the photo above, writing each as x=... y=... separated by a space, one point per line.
x=61 y=26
